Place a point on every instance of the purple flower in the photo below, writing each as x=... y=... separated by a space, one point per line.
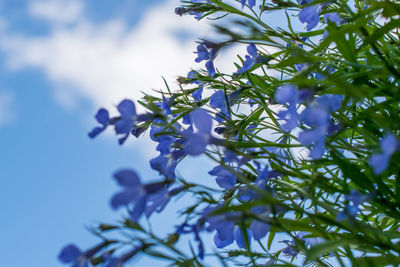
x=196 y=142
x=291 y=249
x=157 y=201
x=288 y=95
x=218 y=100
x=72 y=254
x=251 y=59
x=259 y=227
x=197 y=95
x=318 y=117
x=210 y=68
x=310 y=15
x=226 y=230
x=351 y=210
x=251 y=3
x=165 y=164
x=202 y=53
x=134 y=192
x=332 y=17
x=207 y=50
x=103 y=118
x=224 y=178
x=380 y=161
x=128 y=119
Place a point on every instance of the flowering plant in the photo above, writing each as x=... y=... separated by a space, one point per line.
x=304 y=136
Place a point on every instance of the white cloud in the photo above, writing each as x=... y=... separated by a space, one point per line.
x=56 y=11
x=106 y=63
x=6 y=113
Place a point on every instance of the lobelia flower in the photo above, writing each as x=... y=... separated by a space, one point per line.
x=196 y=142
x=251 y=3
x=291 y=249
x=251 y=59
x=351 y=210
x=218 y=100
x=333 y=17
x=224 y=178
x=72 y=254
x=197 y=95
x=165 y=164
x=259 y=227
x=317 y=116
x=226 y=230
x=310 y=15
x=207 y=50
x=191 y=10
x=127 y=121
x=380 y=161
x=210 y=68
x=134 y=192
x=103 y=118
x=289 y=95
x=157 y=201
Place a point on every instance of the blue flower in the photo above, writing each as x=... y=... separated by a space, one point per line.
x=259 y=227
x=332 y=17
x=288 y=95
x=128 y=119
x=251 y=3
x=103 y=118
x=226 y=230
x=210 y=68
x=157 y=201
x=224 y=178
x=318 y=117
x=196 y=142
x=165 y=164
x=310 y=15
x=72 y=254
x=207 y=50
x=380 y=161
x=134 y=193
x=251 y=59
x=197 y=95
x=202 y=53
x=351 y=210
x=218 y=100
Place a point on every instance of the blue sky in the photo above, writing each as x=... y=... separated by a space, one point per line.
x=55 y=180
x=59 y=62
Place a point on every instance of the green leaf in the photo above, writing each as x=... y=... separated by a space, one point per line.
x=322 y=249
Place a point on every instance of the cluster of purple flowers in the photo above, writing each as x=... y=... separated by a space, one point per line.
x=311 y=13
x=316 y=116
